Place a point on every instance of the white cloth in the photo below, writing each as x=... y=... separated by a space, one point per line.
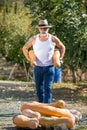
x=44 y=51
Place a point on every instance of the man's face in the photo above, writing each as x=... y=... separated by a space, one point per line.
x=43 y=30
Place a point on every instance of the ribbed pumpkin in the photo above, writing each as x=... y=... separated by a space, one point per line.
x=48 y=110
x=32 y=58
x=40 y=114
x=24 y=121
x=56 y=59
x=59 y=104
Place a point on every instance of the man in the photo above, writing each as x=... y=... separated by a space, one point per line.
x=43 y=48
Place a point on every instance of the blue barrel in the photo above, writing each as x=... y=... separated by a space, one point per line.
x=58 y=75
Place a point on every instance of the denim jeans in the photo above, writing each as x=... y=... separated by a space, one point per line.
x=58 y=75
x=44 y=77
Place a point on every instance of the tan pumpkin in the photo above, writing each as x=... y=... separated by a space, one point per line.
x=48 y=110
x=32 y=58
x=56 y=59
x=31 y=114
x=23 y=121
x=59 y=104
x=26 y=122
x=31 y=117
x=52 y=121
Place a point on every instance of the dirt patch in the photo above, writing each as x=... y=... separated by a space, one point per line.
x=13 y=94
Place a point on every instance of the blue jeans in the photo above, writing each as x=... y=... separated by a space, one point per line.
x=44 y=77
x=58 y=75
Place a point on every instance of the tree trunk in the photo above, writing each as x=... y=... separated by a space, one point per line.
x=26 y=71
x=74 y=76
x=12 y=71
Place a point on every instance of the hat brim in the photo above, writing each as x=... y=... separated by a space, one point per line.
x=45 y=26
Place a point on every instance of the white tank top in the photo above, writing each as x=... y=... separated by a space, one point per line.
x=44 y=51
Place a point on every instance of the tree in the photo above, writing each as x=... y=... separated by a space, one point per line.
x=14 y=31
x=69 y=20
x=85 y=4
x=69 y=24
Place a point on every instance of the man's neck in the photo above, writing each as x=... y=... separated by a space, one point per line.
x=43 y=37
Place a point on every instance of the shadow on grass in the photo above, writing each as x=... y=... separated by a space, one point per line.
x=16 y=94
x=18 y=128
x=76 y=94
x=8 y=115
x=73 y=93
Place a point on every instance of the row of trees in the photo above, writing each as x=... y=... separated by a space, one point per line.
x=69 y=20
x=15 y=29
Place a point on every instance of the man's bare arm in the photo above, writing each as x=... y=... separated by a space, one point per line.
x=60 y=45
x=27 y=46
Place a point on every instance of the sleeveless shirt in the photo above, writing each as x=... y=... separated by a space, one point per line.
x=44 y=51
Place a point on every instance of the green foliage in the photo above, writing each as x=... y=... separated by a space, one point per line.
x=69 y=24
x=15 y=29
x=74 y=34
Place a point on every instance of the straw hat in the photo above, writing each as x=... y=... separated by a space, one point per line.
x=43 y=24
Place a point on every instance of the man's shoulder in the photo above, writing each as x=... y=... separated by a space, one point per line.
x=54 y=37
x=32 y=38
